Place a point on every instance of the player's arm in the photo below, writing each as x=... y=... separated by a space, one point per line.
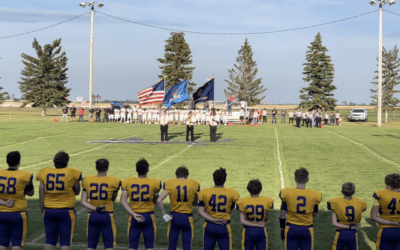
x=335 y=223
x=7 y=203
x=29 y=189
x=160 y=201
x=315 y=212
x=196 y=200
x=245 y=222
x=41 y=197
x=155 y=199
x=77 y=188
x=125 y=205
x=85 y=203
x=375 y=217
x=282 y=219
x=115 y=195
x=201 y=210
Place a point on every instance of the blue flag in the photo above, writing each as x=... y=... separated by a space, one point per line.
x=177 y=94
x=204 y=93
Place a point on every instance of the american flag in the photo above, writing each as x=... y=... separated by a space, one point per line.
x=152 y=95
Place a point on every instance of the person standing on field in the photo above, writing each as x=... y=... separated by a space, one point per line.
x=65 y=114
x=264 y=115
x=81 y=113
x=283 y=113
x=106 y=113
x=98 y=112
x=73 y=111
x=326 y=118
x=298 y=118
x=291 y=115
x=91 y=114
x=274 y=113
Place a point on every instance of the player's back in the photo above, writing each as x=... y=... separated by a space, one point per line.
x=12 y=186
x=255 y=209
x=100 y=190
x=218 y=202
x=59 y=186
x=141 y=193
x=300 y=205
x=347 y=211
x=389 y=207
x=182 y=194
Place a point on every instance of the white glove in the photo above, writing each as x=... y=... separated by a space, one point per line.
x=167 y=218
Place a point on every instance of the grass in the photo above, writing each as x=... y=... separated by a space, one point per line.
x=357 y=152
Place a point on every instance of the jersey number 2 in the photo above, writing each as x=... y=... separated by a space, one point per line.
x=10 y=188
x=301 y=205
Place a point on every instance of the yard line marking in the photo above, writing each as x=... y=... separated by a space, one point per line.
x=387 y=132
x=21 y=142
x=44 y=235
x=279 y=158
x=361 y=145
x=159 y=165
x=369 y=242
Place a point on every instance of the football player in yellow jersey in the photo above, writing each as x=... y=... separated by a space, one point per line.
x=299 y=205
x=254 y=215
x=14 y=185
x=143 y=193
x=183 y=196
x=57 y=191
x=215 y=206
x=346 y=218
x=386 y=212
x=101 y=190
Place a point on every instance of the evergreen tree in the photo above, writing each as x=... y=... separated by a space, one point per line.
x=44 y=76
x=177 y=60
x=243 y=84
x=390 y=79
x=319 y=73
x=3 y=96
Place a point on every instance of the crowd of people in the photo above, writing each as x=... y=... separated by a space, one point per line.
x=59 y=185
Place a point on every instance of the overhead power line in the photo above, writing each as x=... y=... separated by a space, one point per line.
x=391 y=12
x=33 y=31
x=236 y=34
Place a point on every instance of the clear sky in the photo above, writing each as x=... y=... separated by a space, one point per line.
x=125 y=54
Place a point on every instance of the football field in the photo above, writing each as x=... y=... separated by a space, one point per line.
x=357 y=152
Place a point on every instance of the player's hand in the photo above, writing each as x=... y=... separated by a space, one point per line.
x=220 y=221
x=282 y=235
x=9 y=203
x=261 y=224
x=396 y=223
x=100 y=209
x=167 y=218
x=139 y=218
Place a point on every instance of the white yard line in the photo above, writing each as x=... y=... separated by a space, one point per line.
x=361 y=145
x=44 y=235
x=279 y=158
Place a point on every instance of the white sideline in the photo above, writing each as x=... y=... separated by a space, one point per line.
x=361 y=145
x=279 y=158
x=44 y=235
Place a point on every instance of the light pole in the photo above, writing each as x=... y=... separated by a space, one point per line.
x=91 y=5
x=381 y=3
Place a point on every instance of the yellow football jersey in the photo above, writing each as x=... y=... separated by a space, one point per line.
x=182 y=194
x=12 y=186
x=347 y=211
x=389 y=205
x=59 y=186
x=141 y=193
x=255 y=209
x=300 y=205
x=218 y=202
x=100 y=190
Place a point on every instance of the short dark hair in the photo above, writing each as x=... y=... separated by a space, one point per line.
x=220 y=176
x=393 y=180
x=13 y=158
x=61 y=159
x=182 y=172
x=348 y=189
x=301 y=175
x=142 y=167
x=102 y=165
x=254 y=187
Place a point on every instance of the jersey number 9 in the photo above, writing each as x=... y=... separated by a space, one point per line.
x=10 y=187
x=53 y=181
x=350 y=213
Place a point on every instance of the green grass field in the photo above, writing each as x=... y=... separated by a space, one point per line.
x=357 y=152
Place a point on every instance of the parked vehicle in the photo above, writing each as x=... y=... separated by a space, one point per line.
x=358 y=115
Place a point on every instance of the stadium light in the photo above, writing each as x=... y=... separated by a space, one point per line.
x=381 y=3
x=91 y=5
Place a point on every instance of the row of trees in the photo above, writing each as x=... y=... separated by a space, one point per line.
x=44 y=76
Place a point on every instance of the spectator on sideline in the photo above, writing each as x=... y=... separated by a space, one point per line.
x=251 y=116
x=91 y=114
x=65 y=113
x=241 y=116
x=229 y=108
x=106 y=113
x=326 y=118
x=274 y=112
x=314 y=116
x=81 y=113
x=98 y=112
x=247 y=117
x=309 y=119
x=304 y=117
x=318 y=118
x=337 y=118
x=73 y=111
x=264 y=115
x=340 y=121
x=291 y=115
x=333 y=117
x=255 y=117
x=283 y=113
x=298 y=118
